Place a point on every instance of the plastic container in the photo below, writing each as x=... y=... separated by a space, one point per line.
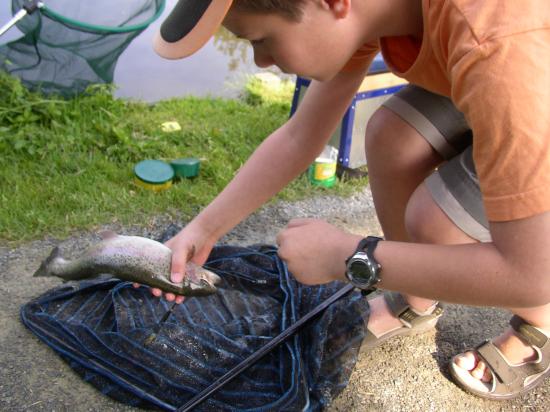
x=154 y=175
x=323 y=170
x=186 y=168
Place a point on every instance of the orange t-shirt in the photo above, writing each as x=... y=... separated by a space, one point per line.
x=492 y=58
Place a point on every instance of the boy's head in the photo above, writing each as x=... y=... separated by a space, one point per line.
x=193 y=22
x=291 y=9
x=312 y=38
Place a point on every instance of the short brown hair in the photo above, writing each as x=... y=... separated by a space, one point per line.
x=291 y=9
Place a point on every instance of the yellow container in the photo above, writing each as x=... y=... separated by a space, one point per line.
x=155 y=187
x=154 y=175
x=323 y=170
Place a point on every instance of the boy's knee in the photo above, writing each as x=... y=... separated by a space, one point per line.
x=418 y=220
x=425 y=221
x=377 y=131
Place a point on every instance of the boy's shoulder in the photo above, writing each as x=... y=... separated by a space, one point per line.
x=492 y=19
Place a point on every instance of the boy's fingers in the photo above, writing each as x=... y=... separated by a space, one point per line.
x=170 y=297
x=178 y=268
x=180 y=299
x=156 y=292
x=176 y=277
x=136 y=285
x=179 y=262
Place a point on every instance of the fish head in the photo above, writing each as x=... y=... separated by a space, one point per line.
x=201 y=280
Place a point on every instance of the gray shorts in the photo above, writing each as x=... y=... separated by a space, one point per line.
x=454 y=186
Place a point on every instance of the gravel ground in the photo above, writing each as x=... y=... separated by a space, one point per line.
x=405 y=374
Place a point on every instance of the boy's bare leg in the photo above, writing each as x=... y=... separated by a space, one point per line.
x=513 y=348
x=399 y=159
x=425 y=223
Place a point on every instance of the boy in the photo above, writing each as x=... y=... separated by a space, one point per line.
x=459 y=162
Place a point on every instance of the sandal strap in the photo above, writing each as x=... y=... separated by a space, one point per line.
x=538 y=340
x=510 y=378
x=402 y=310
x=532 y=335
x=497 y=363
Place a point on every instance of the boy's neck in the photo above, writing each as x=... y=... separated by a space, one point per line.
x=394 y=18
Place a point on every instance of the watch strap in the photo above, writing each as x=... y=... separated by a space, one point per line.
x=368 y=245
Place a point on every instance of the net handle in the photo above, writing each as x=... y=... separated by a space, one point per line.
x=100 y=28
x=264 y=350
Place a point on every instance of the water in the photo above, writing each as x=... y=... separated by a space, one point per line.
x=218 y=69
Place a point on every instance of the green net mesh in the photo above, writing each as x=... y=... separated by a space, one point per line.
x=68 y=45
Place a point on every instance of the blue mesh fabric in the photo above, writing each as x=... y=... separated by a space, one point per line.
x=100 y=328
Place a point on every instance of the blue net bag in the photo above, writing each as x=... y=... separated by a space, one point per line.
x=101 y=328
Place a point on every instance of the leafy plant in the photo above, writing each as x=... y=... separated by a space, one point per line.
x=67 y=165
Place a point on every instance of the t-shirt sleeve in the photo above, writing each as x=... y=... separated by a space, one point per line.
x=362 y=57
x=503 y=88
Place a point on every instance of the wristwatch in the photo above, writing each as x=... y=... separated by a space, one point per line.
x=362 y=269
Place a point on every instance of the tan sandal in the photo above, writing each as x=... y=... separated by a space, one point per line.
x=413 y=323
x=509 y=381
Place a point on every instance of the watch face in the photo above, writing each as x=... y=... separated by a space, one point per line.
x=360 y=271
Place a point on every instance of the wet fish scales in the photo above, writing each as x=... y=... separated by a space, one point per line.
x=134 y=259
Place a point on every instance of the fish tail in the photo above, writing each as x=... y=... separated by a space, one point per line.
x=44 y=269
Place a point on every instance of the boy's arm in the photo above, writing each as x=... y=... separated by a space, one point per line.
x=511 y=271
x=506 y=102
x=284 y=154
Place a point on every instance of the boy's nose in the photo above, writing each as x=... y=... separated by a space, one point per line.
x=263 y=60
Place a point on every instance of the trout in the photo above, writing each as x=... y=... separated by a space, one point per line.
x=134 y=259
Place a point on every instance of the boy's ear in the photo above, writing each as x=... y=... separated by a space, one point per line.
x=340 y=8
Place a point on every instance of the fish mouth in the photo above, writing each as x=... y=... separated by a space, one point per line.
x=212 y=278
x=198 y=281
x=206 y=281
x=210 y=282
x=200 y=288
x=204 y=284
x=199 y=276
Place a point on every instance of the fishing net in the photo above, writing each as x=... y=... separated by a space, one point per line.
x=68 y=45
x=101 y=328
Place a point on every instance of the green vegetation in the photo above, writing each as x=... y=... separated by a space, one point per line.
x=268 y=88
x=67 y=165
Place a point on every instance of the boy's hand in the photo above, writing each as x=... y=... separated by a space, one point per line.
x=316 y=251
x=186 y=246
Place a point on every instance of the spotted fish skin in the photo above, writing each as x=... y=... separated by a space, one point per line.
x=134 y=259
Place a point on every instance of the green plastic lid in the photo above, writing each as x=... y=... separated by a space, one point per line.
x=186 y=167
x=154 y=171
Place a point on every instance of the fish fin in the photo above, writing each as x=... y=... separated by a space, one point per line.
x=107 y=234
x=44 y=269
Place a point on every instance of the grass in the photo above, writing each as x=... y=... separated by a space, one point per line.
x=67 y=165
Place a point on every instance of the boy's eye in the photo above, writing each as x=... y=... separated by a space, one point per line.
x=256 y=42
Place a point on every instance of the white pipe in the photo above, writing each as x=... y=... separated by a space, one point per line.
x=18 y=16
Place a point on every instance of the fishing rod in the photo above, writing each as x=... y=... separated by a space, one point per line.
x=256 y=356
x=28 y=8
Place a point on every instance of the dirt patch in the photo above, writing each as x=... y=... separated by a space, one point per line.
x=403 y=375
